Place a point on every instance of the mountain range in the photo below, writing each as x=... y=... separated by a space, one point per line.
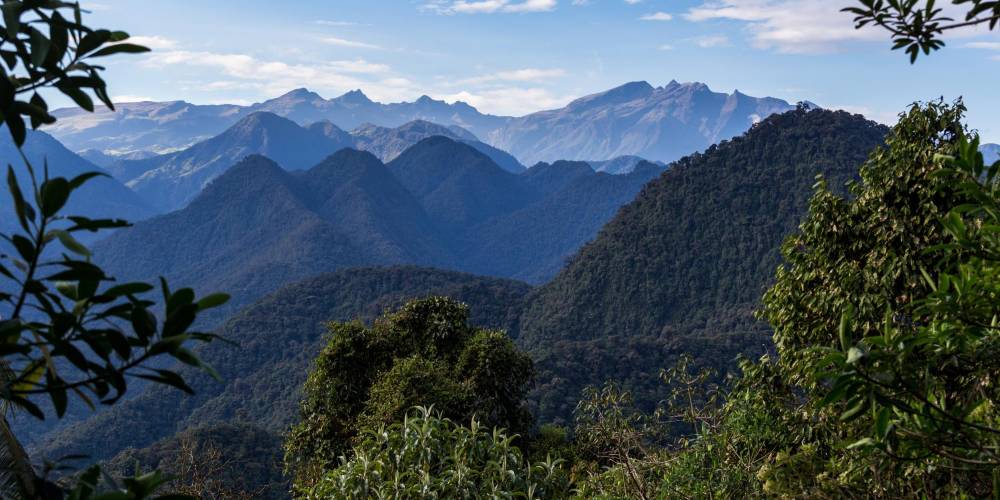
x=678 y=270
x=440 y=203
x=170 y=181
x=658 y=123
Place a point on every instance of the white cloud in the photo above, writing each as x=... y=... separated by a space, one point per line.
x=510 y=100
x=518 y=75
x=983 y=45
x=666 y=46
x=341 y=42
x=270 y=78
x=326 y=22
x=711 y=41
x=801 y=26
x=632 y=2
x=488 y=6
x=792 y=26
x=153 y=42
x=657 y=16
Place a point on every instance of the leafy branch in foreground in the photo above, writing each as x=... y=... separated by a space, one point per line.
x=930 y=386
x=66 y=309
x=44 y=43
x=67 y=328
x=917 y=25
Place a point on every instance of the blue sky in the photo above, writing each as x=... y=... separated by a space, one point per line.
x=518 y=56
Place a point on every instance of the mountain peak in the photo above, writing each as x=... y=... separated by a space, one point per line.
x=355 y=96
x=301 y=93
x=260 y=119
x=623 y=93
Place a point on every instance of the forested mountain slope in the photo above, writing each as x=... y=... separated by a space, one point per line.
x=681 y=268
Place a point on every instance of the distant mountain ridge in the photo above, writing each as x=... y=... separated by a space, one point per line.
x=991 y=153
x=657 y=123
x=441 y=203
x=172 y=180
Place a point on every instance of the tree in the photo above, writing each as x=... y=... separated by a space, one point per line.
x=884 y=317
x=425 y=353
x=917 y=25
x=66 y=328
x=428 y=456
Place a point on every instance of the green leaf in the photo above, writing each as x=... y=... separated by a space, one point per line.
x=120 y=48
x=854 y=355
x=861 y=443
x=882 y=423
x=71 y=243
x=214 y=300
x=55 y=192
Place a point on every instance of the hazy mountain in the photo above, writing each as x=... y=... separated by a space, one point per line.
x=991 y=152
x=168 y=126
x=142 y=126
x=388 y=143
x=355 y=109
x=258 y=226
x=107 y=161
x=171 y=181
x=659 y=123
x=619 y=165
x=278 y=338
x=441 y=203
x=101 y=197
x=457 y=184
x=681 y=268
x=547 y=232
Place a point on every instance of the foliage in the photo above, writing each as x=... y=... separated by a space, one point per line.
x=225 y=461
x=425 y=353
x=65 y=328
x=871 y=322
x=429 y=456
x=45 y=44
x=279 y=338
x=917 y=25
x=928 y=378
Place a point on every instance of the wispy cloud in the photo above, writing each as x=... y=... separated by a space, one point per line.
x=518 y=75
x=343 y=42
x=271 y=77
x=791 y=26
x=510 y=100
x=632 y=2
x=657 y=16
x=488 y=6
x=983 y=45
x=327 y=22
x=711 y=41
x=153 y=42
x=666 y=47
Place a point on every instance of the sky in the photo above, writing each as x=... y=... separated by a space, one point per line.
x=513 y=57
